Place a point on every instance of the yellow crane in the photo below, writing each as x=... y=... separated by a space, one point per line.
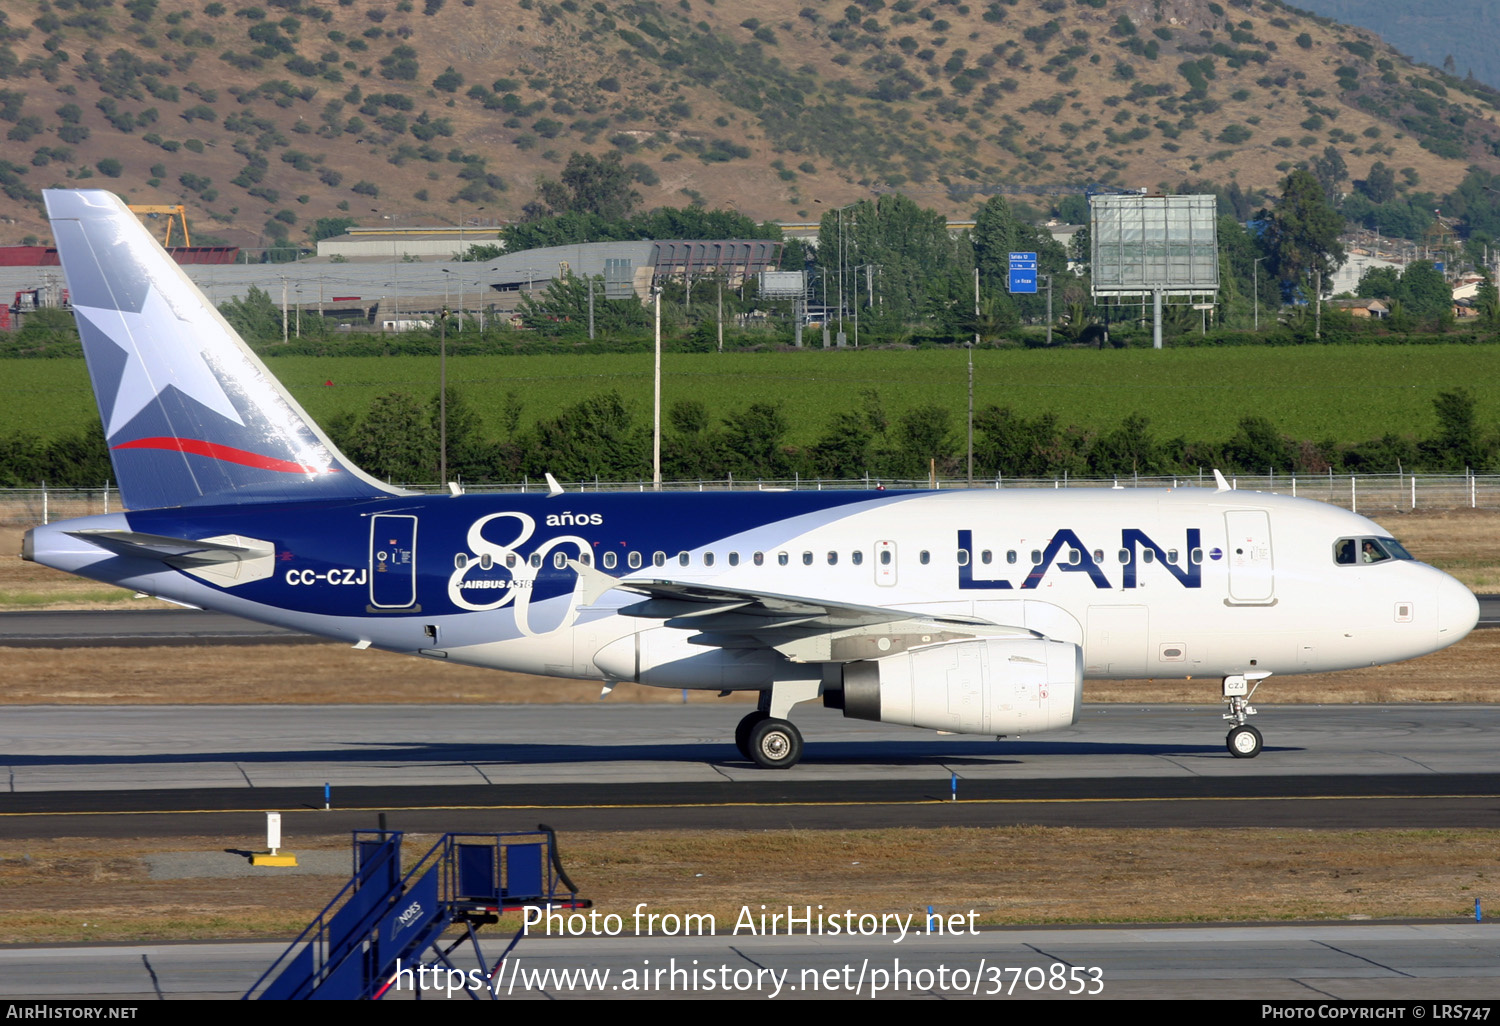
x=179 y=211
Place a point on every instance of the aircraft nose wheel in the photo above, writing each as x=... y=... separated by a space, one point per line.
x=1243 y=742
x=775 y=744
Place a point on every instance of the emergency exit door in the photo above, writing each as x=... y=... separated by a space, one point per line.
x=1251 y=577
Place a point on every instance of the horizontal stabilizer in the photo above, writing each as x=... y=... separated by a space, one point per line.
x=223 y=560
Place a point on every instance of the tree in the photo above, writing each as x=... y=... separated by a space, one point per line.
x=395 y=440
x=562 y=308
x=255 y=317
x=1331 y=172
x=1457 y=445
x=1302 y=233
x=1378 y=283
x=1424 y=291
x=1380 y=185
x=592 y=185
x=328 y=227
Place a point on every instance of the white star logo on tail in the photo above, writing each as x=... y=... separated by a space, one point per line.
x=153 y=363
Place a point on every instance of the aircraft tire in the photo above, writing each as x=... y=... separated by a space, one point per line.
x=742 y=732
x=1243 y=742
x=775 y=744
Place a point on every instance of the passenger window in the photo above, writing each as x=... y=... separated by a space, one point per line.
x=460 y=561
x=782 y=559
x=833 y=558
x=924 y=557
x=633 y=560
x=1075 y=557
x=586 y=558
x=536 y=559
x=559 y=560
x=885 y=557
x=759 y=559
x=683 y=559
x=1196 y=556
x=609 y=560
x=708 y=559
x=1148 y=555
x=1036 y=557
x=1124 y=556
x=734 y=559
x=1098 y=555
x=510 y=559
x=857 y=557
x=659 y=559
x=985 y=557
x=1010 y=556
x=486 y=561
x=963 y=557
x=807 y=558
x=1172 y=556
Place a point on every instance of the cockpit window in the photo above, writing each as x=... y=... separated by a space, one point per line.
x=1357 y=551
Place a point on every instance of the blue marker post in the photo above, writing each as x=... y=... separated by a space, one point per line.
x=1478 y=912
x=953 y=783
x=327 y=793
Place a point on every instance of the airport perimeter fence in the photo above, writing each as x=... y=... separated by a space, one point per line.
x=1371 y=494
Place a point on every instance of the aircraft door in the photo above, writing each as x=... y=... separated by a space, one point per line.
x=393 y=561
x=1117 y=639
x=1250 y=565
x=885 y=563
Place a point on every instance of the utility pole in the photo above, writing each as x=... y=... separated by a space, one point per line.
x=1049 y=309
x=283 y=309
x=971 y=377
x=1318 y=317
x=1256 y=269
x=591 y=309
x=656 y=399
x=443 y=399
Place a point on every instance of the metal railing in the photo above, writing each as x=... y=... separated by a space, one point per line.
x=1363 y=493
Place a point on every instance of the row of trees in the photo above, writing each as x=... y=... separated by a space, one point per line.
x=603 y=437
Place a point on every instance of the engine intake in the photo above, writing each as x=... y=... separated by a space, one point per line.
x=983 y=686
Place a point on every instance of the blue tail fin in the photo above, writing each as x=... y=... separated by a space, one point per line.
x=190 y=413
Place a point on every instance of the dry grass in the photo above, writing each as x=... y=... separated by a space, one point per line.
x=50 y=888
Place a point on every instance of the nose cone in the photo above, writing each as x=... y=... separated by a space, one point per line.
x=1458 y=611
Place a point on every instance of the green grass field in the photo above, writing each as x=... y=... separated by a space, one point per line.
x=1349 y=393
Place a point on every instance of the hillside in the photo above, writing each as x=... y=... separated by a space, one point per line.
x=265 y=117
x=1457 y=36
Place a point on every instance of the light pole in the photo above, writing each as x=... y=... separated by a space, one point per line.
x=656 y=398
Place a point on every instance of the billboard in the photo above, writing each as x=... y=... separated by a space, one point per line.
x=1147 y=244
x=783 y=284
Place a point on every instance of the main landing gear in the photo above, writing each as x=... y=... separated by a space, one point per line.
x=766 y=737
x=1243 y=740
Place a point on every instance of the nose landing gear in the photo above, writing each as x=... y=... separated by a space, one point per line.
x=1243 y=740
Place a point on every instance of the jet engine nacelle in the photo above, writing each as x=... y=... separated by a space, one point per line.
x=986 y=686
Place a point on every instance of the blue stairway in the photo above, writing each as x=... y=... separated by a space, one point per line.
x=385 y=921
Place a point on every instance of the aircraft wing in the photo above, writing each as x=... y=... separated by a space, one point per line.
x=802 y=628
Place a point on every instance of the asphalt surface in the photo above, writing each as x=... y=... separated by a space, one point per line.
x=150 y=770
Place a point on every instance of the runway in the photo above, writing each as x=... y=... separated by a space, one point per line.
x=161 y=771
x=139 y=627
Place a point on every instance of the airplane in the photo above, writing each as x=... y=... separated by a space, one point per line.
x=977 y=612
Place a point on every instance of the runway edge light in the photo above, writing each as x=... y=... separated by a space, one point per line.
x=273 y=842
